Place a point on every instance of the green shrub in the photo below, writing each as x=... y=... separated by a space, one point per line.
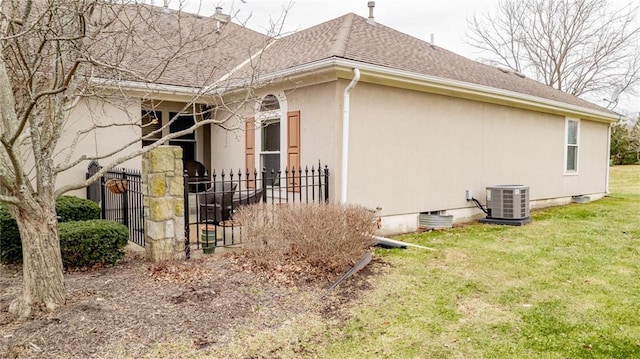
x=71 y=208
x=10 y=246
x=82 y=243
x=87 y=243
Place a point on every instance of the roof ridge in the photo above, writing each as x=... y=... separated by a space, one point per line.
x=341 y=38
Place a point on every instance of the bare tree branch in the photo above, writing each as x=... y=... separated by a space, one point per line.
x=59 y=56
x=577 y=46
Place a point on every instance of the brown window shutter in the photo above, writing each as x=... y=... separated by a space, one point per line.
x=250 y=150
x=293 y=148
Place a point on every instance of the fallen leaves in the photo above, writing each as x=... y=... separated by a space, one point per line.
x=124 y=310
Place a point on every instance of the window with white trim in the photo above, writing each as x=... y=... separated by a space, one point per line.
x=572 y=131
x=270 y=134
x=270 y=149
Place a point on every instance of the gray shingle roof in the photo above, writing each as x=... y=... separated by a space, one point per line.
x=172 y=47
x=199 y=55
x=352 y=37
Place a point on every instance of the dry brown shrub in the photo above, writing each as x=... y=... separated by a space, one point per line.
x=326 y=236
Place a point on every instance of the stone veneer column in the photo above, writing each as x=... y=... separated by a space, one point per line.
x=163 y=199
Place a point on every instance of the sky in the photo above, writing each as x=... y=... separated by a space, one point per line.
x=446 y=20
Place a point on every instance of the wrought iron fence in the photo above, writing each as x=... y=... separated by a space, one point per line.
x=126 y=208
x=210 y=205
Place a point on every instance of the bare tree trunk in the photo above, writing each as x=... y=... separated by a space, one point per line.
x=43 y=281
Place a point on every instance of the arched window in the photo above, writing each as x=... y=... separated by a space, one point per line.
x=269 y=103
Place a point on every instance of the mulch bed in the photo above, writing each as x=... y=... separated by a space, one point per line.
x=123 y=311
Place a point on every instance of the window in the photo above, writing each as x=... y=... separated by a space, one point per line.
x=151 y=122
x=186 y=141
x=571 y=154
x=271 y=135
x=270 y=141
x=270 y=149
x=269 y=103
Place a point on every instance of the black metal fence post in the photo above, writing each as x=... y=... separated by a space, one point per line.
x=306 y=188
x=187 y=230
x=125 y=201
x=326 y=183
x=300 y=184
x=103 y=199
x=264 y=183
x=313 y=184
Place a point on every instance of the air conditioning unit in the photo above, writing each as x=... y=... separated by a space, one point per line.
x=508 y=202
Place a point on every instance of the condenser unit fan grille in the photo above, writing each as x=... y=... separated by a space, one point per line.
x=508 y=201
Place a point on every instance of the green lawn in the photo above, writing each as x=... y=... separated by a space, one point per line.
x=565 y=286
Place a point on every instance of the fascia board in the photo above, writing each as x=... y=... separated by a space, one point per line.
x=405 y=79
x=149 y=90
x=332 y=68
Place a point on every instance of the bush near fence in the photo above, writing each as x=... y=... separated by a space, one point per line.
x=329 y=237
x=71 y=210
x=88 y=243
x=10 y=246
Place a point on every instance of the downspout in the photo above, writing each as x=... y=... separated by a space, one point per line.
x=345 y=136
x=606 y=175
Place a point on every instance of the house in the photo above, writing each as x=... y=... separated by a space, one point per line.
x=424 y=125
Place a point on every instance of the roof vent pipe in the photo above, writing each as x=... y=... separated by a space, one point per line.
x=220 y=18
x=166 y=5
x=371 y=5
x=345 y=137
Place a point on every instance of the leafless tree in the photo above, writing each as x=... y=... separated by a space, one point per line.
x=58 y=55
x=582 y=47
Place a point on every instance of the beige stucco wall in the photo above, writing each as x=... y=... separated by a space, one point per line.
x=227 y=144
x=99 y=141
x=319 y=136
x=413 y=152
x=320 y=127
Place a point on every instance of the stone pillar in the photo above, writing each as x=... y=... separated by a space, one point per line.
x=163 y=198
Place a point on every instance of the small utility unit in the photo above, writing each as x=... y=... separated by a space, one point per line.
x=507 y=204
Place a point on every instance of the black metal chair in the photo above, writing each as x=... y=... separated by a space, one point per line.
x=246 y=197
x=196 y=173
x=216 y=203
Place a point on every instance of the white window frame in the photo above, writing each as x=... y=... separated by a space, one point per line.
x=265 y=119
x=571 y=172
x=272 y=115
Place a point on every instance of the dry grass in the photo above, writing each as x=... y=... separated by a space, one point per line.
x=326 y=236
